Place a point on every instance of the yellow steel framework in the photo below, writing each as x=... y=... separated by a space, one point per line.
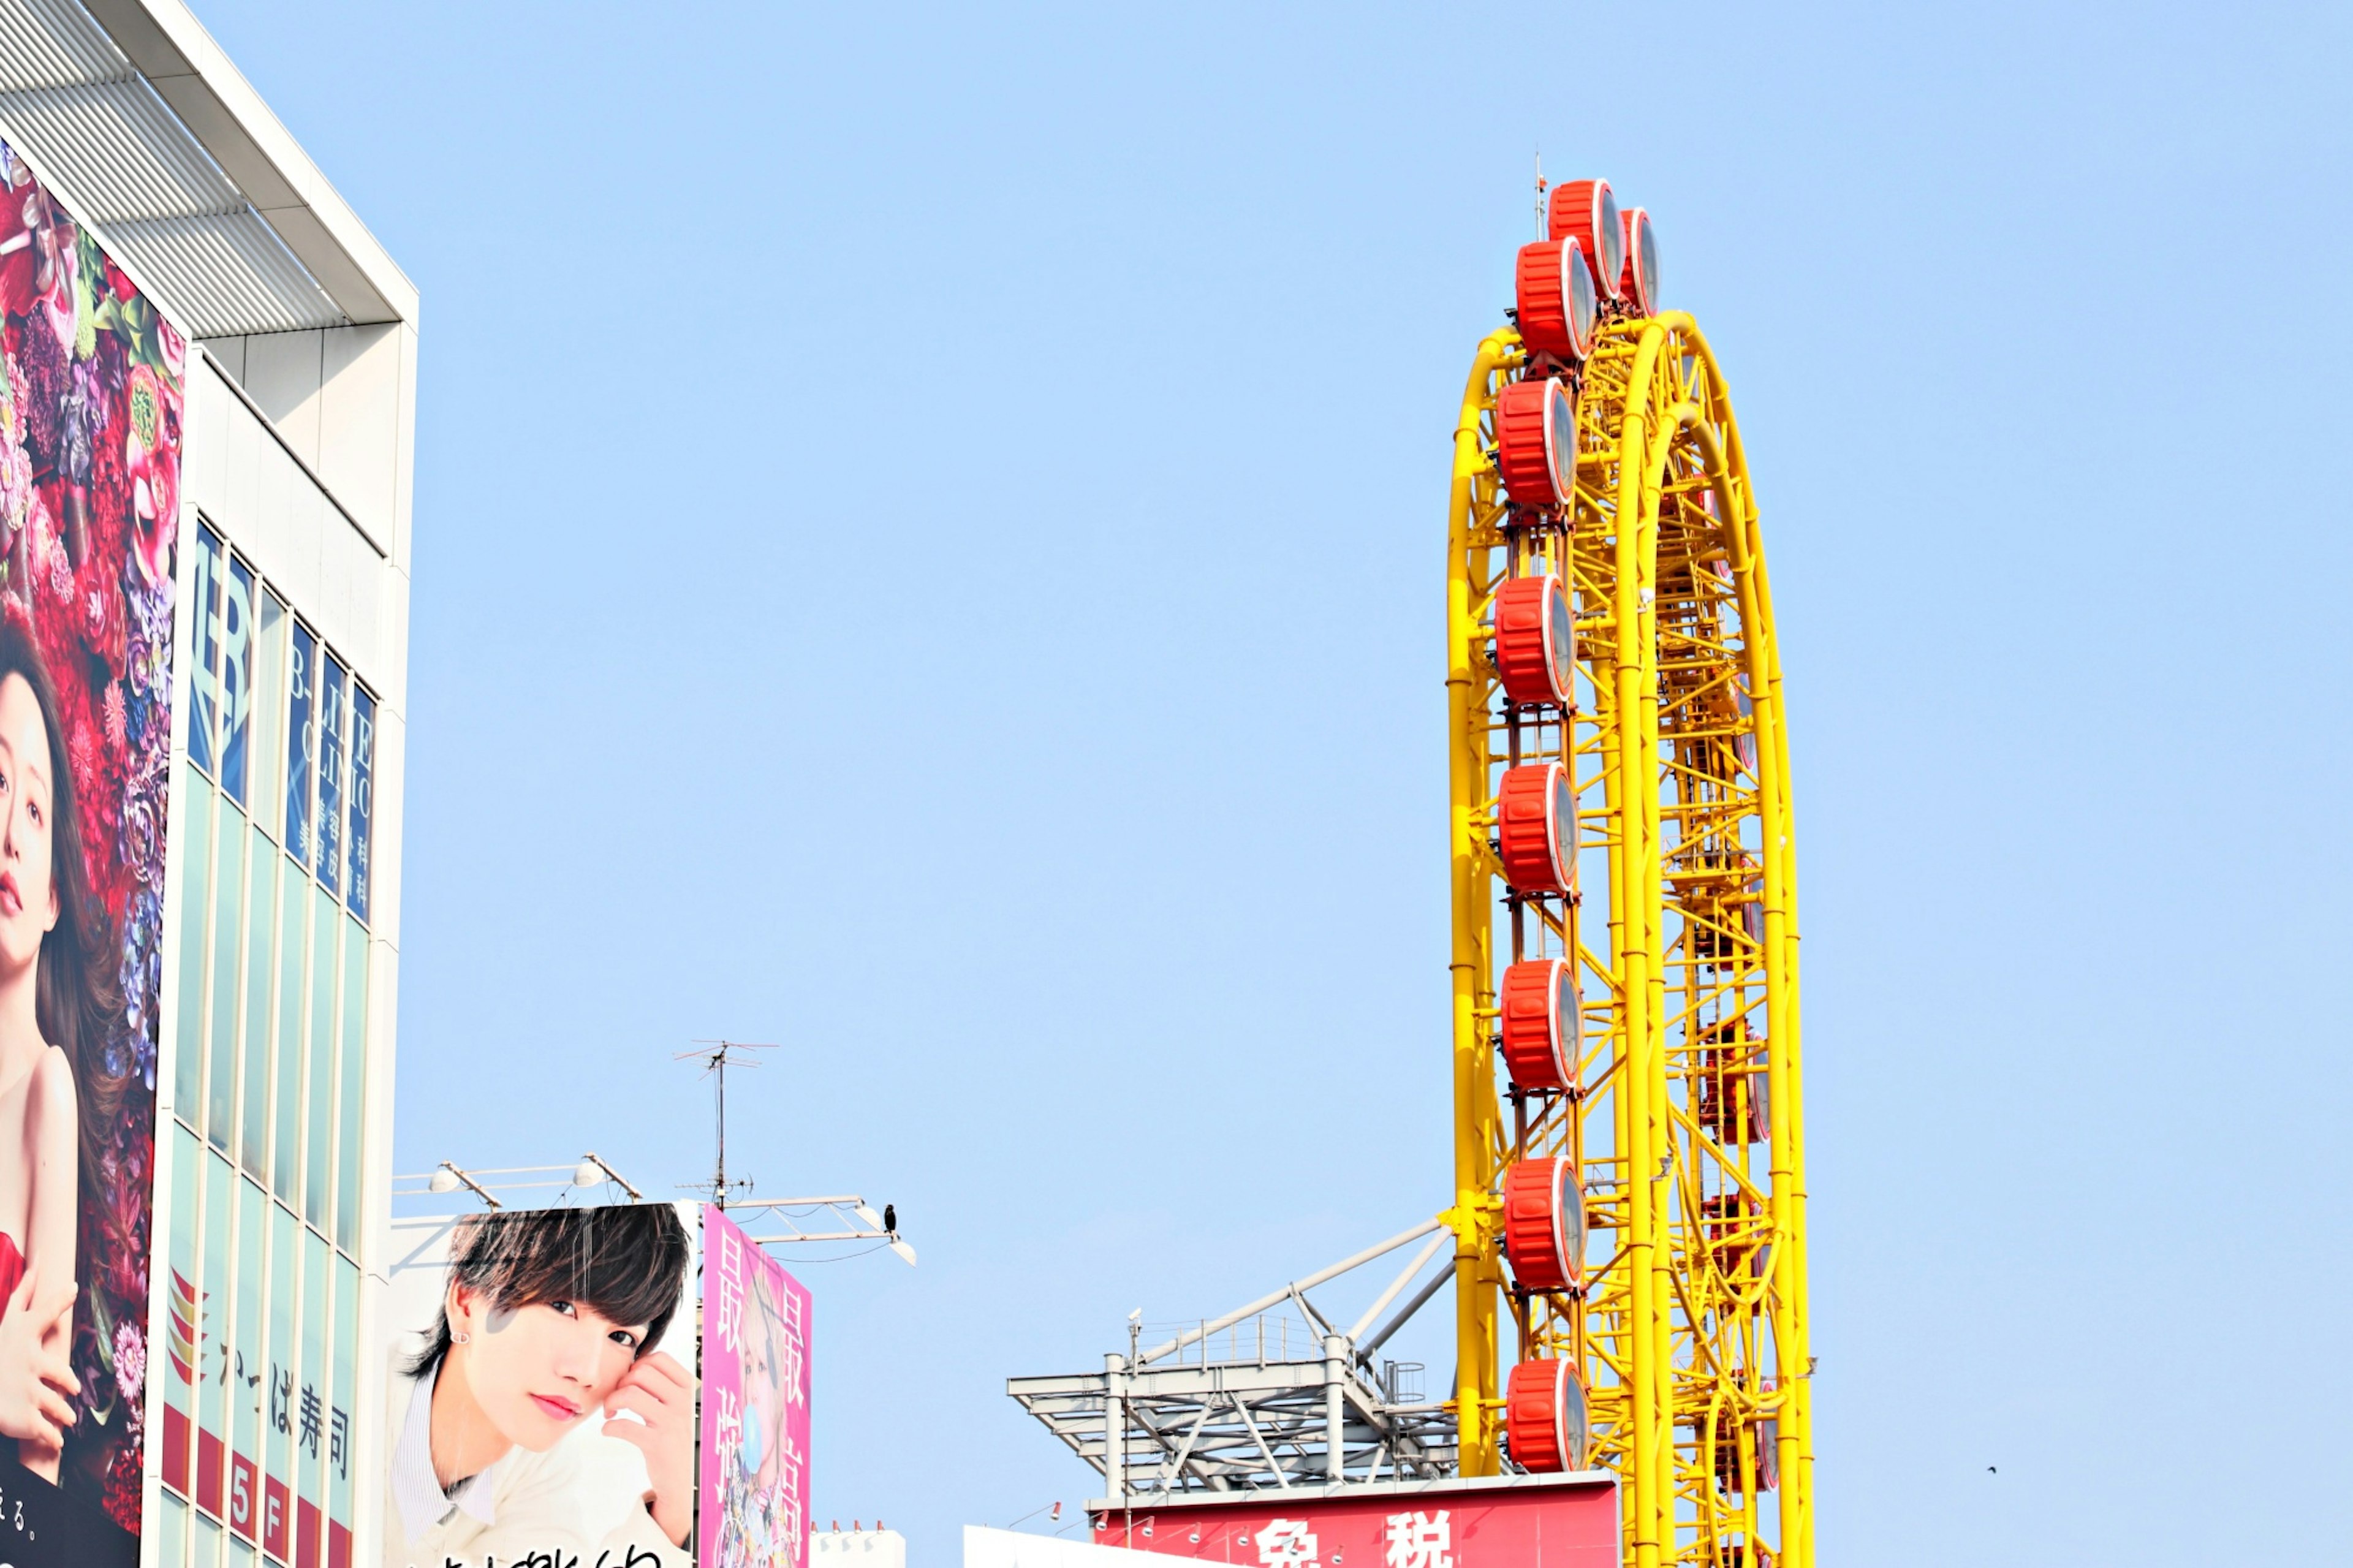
x=1685 y=1118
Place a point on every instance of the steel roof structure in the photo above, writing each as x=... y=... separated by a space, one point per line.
x=132 y=108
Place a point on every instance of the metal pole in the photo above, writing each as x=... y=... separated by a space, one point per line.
x=1115 y=1428
x=1335 y=1408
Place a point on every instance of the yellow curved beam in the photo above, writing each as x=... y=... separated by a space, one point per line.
x=1683 y=1348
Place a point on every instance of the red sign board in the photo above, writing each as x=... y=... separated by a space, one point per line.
x=1509 y=1521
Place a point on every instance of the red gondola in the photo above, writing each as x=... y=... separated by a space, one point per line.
x=1536 y=642
x=1535 y=442
x=1541 y=1027
x=1535 y=828
x=1543 y=1416
x=1557 y=307
x=1543 y=1224
x=1586 y=211
x=1639 y=284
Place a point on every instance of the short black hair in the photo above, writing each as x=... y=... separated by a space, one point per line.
x=628 y=1261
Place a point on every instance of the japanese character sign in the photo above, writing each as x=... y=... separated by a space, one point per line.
x=755 y=1407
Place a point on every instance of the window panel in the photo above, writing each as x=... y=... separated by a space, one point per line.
x=301 y=739
x=235 y=718
x=279 y=1376
x=216 y=1360
x=171 y=1533
x=344 y=1414
x=261 y=919
x=184 y=1297
x=228 y=896
x=269 y=807
x=294 y=926
x=334 y=695
x=347 y=1145
x=247 y=1366
x=363 y=812
x=195 y=901
x=204 y=681
x=208 y=1544
x=318 y=1383
x=319 y=1053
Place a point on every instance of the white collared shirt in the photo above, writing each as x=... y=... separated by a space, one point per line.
x=414 y=1488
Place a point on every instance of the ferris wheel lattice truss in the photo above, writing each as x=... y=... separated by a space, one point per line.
x=1628 y=1226
x=1627 y=1082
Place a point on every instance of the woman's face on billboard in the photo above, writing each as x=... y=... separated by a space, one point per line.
x=538 y=1371
x=28 y=898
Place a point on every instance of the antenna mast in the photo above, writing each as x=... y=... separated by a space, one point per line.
x=714 y=1056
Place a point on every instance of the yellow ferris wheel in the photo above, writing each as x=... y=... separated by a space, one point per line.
x=1628 y=1155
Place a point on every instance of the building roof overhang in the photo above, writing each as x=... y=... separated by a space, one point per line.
x=163 y=145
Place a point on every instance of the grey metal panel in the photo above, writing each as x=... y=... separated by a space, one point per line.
x=54 y=43
x=230 y=273
x=118 y=151
x=224 y=257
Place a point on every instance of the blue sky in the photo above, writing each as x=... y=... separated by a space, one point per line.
x=928 y=549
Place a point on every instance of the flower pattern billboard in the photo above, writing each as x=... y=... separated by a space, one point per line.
x=90 y=407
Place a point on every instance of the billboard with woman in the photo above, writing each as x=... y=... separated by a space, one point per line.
x=90 y=462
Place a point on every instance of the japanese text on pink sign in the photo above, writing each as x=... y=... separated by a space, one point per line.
x=755 y=1405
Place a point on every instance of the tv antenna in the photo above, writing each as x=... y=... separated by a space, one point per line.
x=715 y=1055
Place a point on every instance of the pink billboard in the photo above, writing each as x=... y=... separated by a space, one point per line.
x=755 y=1405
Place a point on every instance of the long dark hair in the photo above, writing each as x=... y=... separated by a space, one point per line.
x=628 y=1261
x=77 y=993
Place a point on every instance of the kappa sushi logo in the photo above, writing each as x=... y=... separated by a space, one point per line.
x=182 y=1347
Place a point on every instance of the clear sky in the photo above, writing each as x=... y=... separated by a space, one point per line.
x=929 y=548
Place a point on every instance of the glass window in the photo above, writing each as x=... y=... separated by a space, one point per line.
x=293 y=925
x=248 y=1365
x=195 y=899
x=204 y=684
x=301 y=739
x=347 y=1144
x=268 y=711
x=228 y=892
x=241 y=1555
x=236 y=634
x=334 y=692
x=342 y=1413
x=208 y=1544
x=278 y=1376
x=171 y=1533
x=318 y=1084
x=261 y=919
x=215 y=1357
x=311 y=1403
x=362 y=796
x=183 y=1298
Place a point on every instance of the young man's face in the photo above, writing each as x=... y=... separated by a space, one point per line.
x=537 y=1371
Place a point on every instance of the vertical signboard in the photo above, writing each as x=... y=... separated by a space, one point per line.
x=539 y=1396
x=90 y=405
x=755 y=1408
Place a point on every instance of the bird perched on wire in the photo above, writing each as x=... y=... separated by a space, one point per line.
x=891 y=1218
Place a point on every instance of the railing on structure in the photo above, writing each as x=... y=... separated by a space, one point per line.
x=1273 y=1394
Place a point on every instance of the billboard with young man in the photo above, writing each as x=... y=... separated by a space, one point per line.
x=540 y=1399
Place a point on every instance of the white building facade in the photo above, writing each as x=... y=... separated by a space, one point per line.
x=273 y=1069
